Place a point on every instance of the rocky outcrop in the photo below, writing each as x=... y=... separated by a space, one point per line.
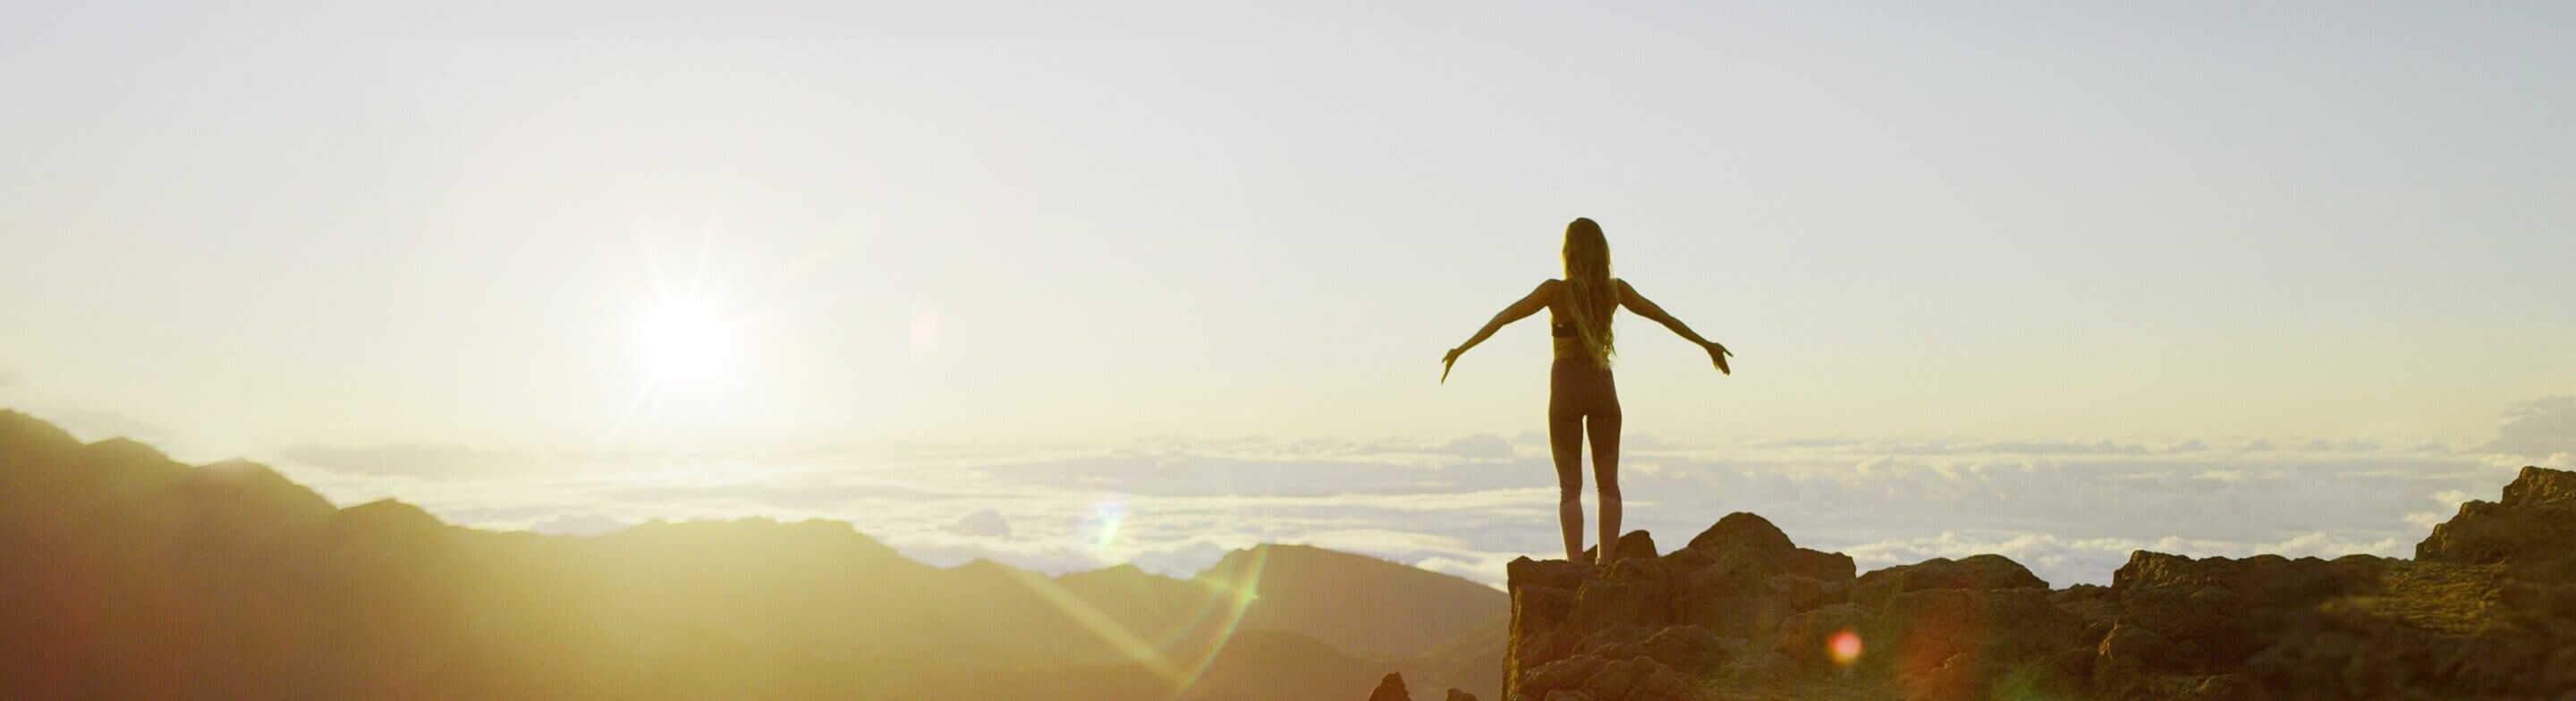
x=2486 y=610
x=2530 y=529
x=1651 y=625
x=1392 y=689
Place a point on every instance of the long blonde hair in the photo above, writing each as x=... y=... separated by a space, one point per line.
x=1590 y=293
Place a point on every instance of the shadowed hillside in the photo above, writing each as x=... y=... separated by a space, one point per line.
x=127 y=575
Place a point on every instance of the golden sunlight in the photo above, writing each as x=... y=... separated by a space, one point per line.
x=686 y=342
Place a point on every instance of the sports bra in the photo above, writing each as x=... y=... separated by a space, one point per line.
x=1561 y=329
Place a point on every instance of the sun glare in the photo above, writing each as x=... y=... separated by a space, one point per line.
x=686 y=342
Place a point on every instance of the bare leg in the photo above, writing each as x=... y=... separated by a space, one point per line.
x=1605 y=471
x=1565 y=441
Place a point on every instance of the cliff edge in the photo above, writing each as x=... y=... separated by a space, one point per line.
x=2485 y=610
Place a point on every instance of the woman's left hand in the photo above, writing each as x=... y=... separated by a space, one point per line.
x=1448 y=360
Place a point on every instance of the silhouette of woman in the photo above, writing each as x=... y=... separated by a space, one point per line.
x=1581 y=395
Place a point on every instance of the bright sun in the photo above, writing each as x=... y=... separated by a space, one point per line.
x=687 y=342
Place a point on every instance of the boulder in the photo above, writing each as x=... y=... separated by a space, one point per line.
x=1742 y=531
x=1806 y=637
x=1636 y=544
x=1391 y=689
x=1972 y=572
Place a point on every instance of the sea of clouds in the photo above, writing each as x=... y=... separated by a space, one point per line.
x=2070 y=510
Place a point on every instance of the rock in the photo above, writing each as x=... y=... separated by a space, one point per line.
x=1766 y=669
x=1566 y=674
x=1961 y=677
x=1542 y=601
x=1615 y=677
x=1972 y=572
x=2219 y=604
x=1742 y=531
x=1456 y=695
x=1805 y=637
x=2533 y=529
x=2060 y=675
x=1641 y=679
x=1974 y=637
x=1751 y=537
x=1661 y=684
x=1636 y=544
x=1604 y=679
x=1742 y=576
x=1636 y=593
x=1685 y=560
x=2537 y=487
x=2130 y=658
x=1551 y=574
x=2562 y=667
x=2488 y=610
x=1830 y=568
x=2220 y=687
x=1804 y=593
x=1689 y=650
x=2096 y=605
x=1391 y=689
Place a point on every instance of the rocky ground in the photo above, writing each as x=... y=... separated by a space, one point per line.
x=2485 y=610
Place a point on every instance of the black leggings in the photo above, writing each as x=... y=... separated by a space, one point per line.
x=1581 y=397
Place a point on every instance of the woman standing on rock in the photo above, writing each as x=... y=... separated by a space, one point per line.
x=1581 y=394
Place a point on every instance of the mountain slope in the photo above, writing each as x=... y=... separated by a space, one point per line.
x=128 y=575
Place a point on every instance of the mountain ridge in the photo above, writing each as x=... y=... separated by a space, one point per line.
x=132 y=575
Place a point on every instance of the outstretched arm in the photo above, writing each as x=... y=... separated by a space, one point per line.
x=1536 y=300
x=1638 y=303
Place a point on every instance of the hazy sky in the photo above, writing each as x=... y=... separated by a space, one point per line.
x=1971 y=220
x=274 y=226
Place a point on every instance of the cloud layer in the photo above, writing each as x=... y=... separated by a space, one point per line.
x=2071 y=510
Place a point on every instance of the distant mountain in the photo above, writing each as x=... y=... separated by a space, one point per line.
x=124 y=574
x=1349 y=602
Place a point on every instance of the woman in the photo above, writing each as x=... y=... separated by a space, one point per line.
x=1580 y=392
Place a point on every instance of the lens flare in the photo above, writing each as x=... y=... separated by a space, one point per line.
x=1178 y=655
x=1844 y=647
x=1105 y=518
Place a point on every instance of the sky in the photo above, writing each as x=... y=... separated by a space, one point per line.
x=437 y=252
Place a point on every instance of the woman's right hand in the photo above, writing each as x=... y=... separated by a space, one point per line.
x=1717 y=352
